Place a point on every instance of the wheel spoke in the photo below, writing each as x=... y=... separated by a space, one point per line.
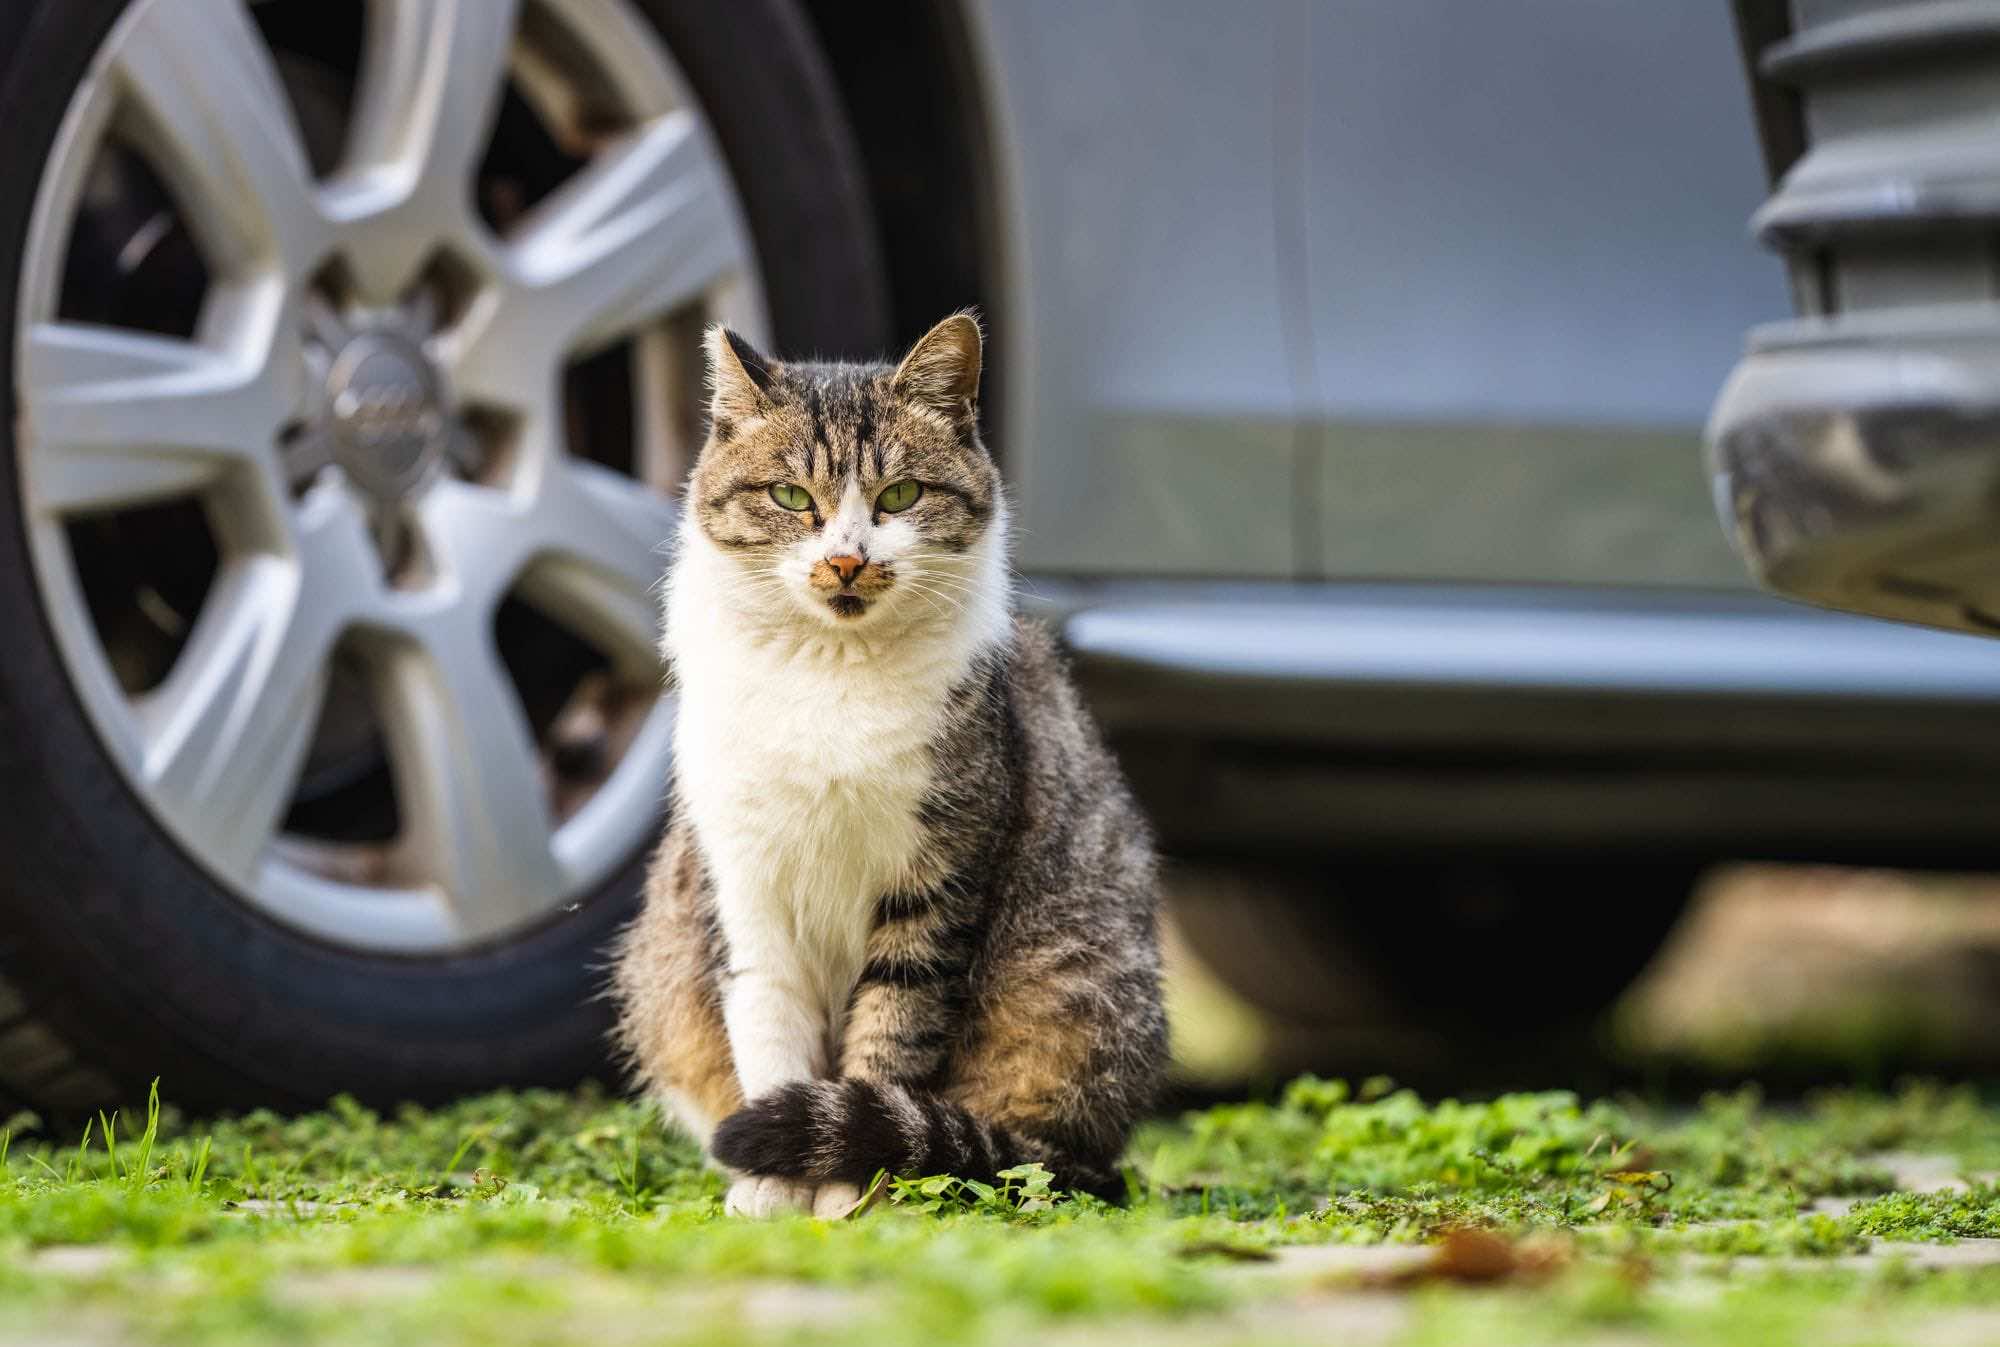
x=430 y=84
x=430 y=81
x=114 y=418
x=642 y=231
x=226 y=735
x=602 y=556
x=469 y=779
x=587 y=548
x=213 y=115
x=482 y=536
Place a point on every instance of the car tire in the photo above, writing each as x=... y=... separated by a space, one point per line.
x=121 y=960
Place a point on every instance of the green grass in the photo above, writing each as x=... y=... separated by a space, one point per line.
x=560 y=1218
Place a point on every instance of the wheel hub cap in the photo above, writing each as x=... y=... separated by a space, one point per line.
x=385 y=409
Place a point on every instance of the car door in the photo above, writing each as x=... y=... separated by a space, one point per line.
x=1435 y=290
x=1524 y=252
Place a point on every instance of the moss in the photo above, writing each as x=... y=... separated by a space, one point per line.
x=1970 y=1214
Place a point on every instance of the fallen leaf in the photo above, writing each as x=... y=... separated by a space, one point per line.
x=867 y=1199
x=1478 y=1258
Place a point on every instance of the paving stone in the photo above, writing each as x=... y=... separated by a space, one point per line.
x=76 y=1260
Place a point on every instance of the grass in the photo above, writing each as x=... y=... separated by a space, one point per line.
x=560 y=1218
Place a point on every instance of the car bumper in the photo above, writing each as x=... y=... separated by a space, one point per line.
x=1856 y=450
x=1857 y=465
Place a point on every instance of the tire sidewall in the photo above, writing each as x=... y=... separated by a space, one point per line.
x=135 y=955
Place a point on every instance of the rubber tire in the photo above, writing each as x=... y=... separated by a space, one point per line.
x=120 y=960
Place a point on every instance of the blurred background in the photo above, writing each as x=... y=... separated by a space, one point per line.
x=1349 y=365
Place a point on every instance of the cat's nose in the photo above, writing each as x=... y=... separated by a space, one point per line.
x=847 y=567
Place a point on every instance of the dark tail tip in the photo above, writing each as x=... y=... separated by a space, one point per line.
x=770 y=1136
x=823 y=1129
x=849 y=1129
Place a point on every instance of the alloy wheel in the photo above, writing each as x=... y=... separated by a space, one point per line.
x=375 y=427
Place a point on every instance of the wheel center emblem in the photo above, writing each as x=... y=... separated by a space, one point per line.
x=387 y=412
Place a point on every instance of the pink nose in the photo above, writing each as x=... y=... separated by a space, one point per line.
x=847 y=567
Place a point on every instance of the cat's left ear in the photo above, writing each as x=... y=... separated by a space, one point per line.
x=942 y=370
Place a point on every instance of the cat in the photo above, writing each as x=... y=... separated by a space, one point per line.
x=904 y=914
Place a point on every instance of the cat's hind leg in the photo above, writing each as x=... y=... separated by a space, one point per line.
x=667 y=972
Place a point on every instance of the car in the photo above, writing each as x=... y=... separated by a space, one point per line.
x=1348 y=366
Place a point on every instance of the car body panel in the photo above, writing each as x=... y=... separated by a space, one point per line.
x=1427 y=291
x=1151 y=424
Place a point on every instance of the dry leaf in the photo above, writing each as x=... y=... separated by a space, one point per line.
x=1479 y=1258
x=867 y=1199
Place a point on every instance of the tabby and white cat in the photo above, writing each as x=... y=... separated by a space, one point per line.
x=903 y=917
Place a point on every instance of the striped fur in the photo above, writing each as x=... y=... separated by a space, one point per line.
x=906 y=906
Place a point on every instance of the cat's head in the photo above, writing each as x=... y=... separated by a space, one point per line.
x=849 y=494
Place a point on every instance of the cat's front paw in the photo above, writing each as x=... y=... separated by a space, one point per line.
x=834 y=1201
x=758 y=1196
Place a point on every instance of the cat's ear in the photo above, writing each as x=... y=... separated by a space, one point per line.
x=942 y=370
x=740 y=377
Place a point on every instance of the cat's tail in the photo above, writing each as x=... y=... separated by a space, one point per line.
x=845 y=1131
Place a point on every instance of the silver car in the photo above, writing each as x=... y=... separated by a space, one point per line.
x=1349 y=373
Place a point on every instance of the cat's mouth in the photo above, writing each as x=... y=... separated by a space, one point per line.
x=850 y=597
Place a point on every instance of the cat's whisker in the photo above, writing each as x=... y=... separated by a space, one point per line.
x=954 y=581
x=929 y=600
x=957 y=605
x=932 y=571
x=951 y=581
x=957 y=602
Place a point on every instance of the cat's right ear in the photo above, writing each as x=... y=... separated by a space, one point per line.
x=740 y=377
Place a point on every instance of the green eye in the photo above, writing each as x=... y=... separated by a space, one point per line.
x=791 y=497
x=899 y=496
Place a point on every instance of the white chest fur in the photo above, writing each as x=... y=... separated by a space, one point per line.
x=802 y=778
x=802 y=759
